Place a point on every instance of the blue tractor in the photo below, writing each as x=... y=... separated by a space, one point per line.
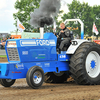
x=37 y=60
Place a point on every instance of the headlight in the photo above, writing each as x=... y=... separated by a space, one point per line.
x=74 y=43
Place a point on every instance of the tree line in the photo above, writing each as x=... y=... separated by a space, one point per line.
x=88 y=14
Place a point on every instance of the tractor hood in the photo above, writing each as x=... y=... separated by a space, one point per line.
x=30 y=50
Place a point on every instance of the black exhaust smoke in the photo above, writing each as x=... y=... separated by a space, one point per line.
x=45 y=20
x=45 y=13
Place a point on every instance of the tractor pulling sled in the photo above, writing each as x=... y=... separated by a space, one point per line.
x=37 y=61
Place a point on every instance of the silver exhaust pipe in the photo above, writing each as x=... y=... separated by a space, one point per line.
x=41 y=32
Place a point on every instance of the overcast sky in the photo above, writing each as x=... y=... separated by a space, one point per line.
x=7 y=10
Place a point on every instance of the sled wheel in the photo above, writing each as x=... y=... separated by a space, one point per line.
x=35 y=77
x=7 y=82
x=85 y=64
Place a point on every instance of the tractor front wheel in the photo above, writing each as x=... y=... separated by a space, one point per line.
x=35 y=77
x=7 y=82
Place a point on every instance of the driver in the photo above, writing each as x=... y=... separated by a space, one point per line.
x=63 y=36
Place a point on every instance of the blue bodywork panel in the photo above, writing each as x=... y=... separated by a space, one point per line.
x=19 y=70
x=25 y=53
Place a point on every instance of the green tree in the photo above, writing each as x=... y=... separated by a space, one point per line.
x=24 y=8
x=81 y=11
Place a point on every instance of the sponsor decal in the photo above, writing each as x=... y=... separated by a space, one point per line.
x=62 y=56
x=19 y=66
x=43 y=42
x=41 y=56
x=38 y=56
x=66 y=59
x=37 y=43
x=16 y=72
x=24 y=52
x=11 y=44
x=47 y=64
x=39 y=64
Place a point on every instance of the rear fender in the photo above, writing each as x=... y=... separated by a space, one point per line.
x=74 y=45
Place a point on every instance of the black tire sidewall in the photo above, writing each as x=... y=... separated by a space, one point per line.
x=96 y=49
x=7 y=84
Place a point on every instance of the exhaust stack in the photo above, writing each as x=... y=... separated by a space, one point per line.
x=41 y=32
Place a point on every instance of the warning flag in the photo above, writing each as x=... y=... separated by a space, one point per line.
x=20 y=27
x=95 y=29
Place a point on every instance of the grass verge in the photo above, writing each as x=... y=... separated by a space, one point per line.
x=3 y=56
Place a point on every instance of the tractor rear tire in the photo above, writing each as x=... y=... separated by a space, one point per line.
x=7 y=82
x=85 y=64
x=52 y=77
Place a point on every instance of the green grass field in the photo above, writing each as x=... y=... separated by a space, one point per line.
x=3 y=56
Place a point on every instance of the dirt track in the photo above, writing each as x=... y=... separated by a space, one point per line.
x=66 y=91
